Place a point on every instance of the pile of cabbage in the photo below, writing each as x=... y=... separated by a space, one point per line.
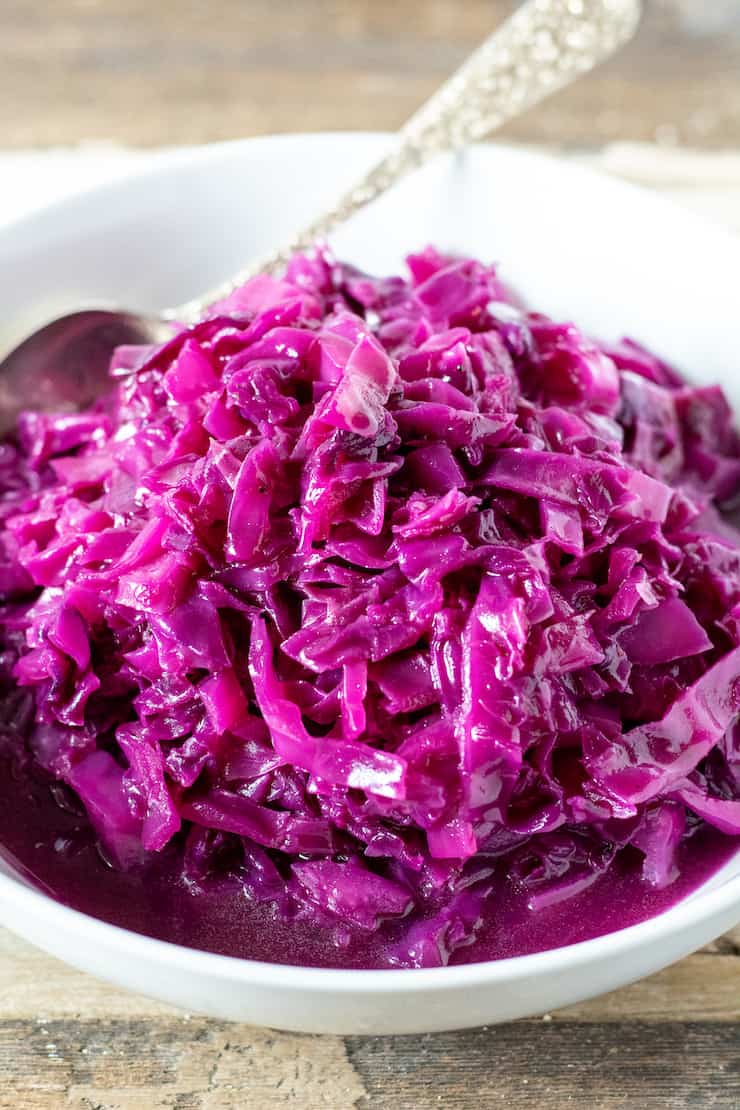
x=363 y=591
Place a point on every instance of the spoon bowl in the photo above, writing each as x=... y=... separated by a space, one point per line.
x=63 y=366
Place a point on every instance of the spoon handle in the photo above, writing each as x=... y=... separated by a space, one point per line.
x=543 y=46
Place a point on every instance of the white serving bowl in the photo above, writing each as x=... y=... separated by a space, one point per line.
x=614 y=258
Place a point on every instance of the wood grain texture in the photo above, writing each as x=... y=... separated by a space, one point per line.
x=551 y=1066
x=180 y=71
x=531 y=1065
x=172 y=1065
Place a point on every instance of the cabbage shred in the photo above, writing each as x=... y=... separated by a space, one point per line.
x=363 y=591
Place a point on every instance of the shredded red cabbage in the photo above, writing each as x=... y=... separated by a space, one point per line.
x=361 y=591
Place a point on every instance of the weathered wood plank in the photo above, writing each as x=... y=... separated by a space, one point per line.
x=204 y=1065
x=170 y=1064
x=146 y=73
x=551 y=1066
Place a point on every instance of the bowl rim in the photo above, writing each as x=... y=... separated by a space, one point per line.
x=676 y=919
x=165 y=159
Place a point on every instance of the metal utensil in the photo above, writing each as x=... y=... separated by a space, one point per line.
x=543 y=46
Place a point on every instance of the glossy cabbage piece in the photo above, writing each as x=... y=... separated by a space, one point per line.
x=364 y=592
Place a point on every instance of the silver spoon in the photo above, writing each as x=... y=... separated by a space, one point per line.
x=543 y=46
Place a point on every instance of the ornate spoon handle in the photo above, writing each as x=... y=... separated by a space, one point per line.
x=543 y=46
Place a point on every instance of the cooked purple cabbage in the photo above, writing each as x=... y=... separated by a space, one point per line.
x=361 y=591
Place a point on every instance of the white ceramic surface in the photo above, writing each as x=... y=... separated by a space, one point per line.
x=616 y=259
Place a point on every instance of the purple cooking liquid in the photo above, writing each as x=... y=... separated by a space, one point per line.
x=57 y=849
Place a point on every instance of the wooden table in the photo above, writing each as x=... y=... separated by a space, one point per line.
x=178 y=71
x=144 y=73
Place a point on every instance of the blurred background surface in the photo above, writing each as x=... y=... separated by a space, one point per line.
x=152 y=72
